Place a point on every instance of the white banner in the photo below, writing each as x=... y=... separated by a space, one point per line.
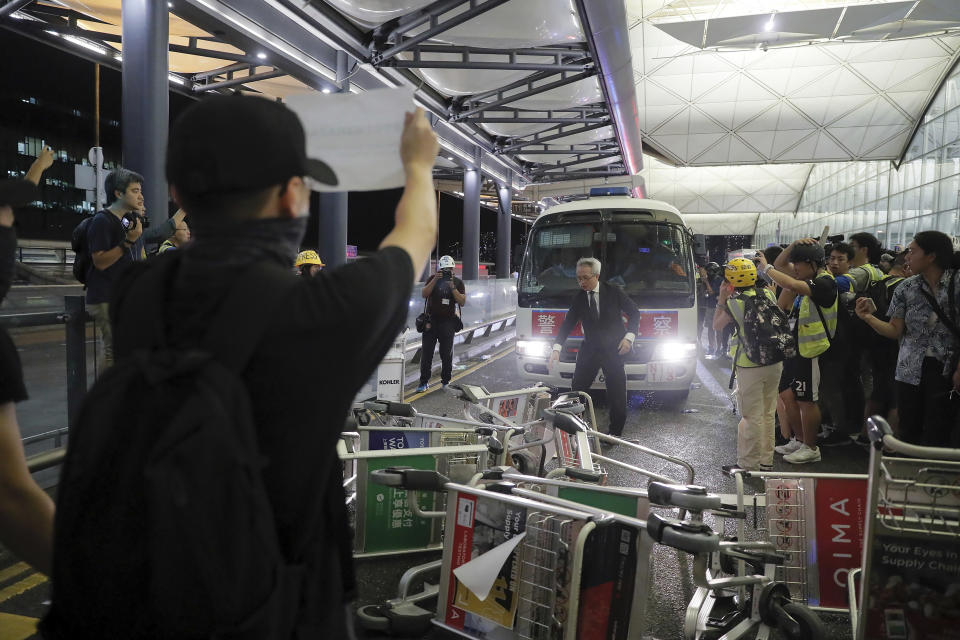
x=357 y=135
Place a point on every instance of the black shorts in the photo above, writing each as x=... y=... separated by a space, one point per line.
x=11 y=373
x=803 y=376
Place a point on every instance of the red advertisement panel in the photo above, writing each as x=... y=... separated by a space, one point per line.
x=653 y=324
x=841 y=514
x=462 y=550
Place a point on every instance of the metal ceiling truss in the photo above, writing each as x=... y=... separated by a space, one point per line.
x=390 y=38
x=301 y=39
x=48 y=32
x=539 y=138
x=562 y=59
x=502 y=98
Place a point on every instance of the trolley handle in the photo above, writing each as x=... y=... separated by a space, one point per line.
x=568 y=404
x=491 y=429
x=398 y=409
x=681 y=535
x=685 y=496
x=881 y=435
x=566 y=422
x=409 y=478
x=583 y=475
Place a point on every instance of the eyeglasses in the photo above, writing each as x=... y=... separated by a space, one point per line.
x=585 y=278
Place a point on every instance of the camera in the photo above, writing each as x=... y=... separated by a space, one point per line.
x=129 y=220
x=446 y=274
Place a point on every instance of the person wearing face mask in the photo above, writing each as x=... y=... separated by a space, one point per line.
x=239 y=167
x=444 y=292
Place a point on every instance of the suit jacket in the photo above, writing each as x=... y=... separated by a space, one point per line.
x=608 y=330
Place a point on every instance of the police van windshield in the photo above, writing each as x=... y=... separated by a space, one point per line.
x=651 y=261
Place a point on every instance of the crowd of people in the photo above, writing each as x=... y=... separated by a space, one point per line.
x=825 y=336
x=816 y=336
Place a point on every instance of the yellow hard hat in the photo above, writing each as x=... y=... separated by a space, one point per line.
x=740 y=272
x=308 y=257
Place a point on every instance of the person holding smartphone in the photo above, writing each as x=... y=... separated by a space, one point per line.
x=444 y=292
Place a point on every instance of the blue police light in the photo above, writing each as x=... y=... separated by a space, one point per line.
x=609 y=191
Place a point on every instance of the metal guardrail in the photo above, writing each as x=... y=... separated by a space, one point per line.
x=480 y=330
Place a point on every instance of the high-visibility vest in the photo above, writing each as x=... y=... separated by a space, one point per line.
x=737 y=308
x=812 y=337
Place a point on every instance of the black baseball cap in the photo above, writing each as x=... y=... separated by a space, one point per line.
x=16 y=193
x=239 y=143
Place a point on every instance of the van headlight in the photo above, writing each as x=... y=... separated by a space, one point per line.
x=673 y=351
x=534 y=348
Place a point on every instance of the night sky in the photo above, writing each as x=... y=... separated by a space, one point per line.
x=64 y=83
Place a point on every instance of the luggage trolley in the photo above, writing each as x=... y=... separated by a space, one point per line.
x=553 y=568
x=815 y=521
x=910 y=586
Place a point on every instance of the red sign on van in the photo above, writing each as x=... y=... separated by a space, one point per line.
x=653 y=324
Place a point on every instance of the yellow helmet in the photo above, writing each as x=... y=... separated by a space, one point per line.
x=740 y=272
x=308 y=257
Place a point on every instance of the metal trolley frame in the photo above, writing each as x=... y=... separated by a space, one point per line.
x=911 y=560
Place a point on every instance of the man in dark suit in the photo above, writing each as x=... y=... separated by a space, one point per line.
x=598 y=307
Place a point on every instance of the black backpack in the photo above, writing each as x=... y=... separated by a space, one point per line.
x=766 y=337
x=81 y=254
x=164 y=528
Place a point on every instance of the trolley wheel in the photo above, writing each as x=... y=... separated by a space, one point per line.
x=372 y=618
x=486 y=418
x=806 y=625
x=773 y=596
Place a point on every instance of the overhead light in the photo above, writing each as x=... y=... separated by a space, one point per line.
x=450 y=158
x=86 y=44
x=262 y=55
x=325 y=90
x=770 y=23
x=169 y=5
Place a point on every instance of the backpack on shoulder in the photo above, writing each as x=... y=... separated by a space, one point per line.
x=164 y=528
x=81 y=253
x=766 y=337
x=881 y=293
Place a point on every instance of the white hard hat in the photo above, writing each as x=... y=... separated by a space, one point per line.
x=447 y=262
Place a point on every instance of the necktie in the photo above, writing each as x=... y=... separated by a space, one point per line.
x=593 y=305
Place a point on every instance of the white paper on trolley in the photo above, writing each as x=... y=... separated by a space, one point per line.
x=357 y=135
x=479 y=574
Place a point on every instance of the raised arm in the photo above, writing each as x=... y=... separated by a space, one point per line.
x=415 y=226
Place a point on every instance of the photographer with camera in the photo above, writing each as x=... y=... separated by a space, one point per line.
x=113 y=238
x=443 y=292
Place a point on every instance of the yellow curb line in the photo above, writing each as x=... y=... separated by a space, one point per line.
x=14 y=627
x=417 y=396
x=13 y=570
x=31 y=581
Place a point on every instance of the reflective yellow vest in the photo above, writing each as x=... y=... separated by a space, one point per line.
x=737 y=308
x=812 y=336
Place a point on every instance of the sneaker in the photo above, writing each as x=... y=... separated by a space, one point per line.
x=803 y=455
x=790 y=447
x=444 y=385
x=421 y=388
x=765 y=467
x=834 y=439
x=780 y=439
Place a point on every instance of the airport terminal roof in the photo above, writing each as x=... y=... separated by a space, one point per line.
x=717 y=84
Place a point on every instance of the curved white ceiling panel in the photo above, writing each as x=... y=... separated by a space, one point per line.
x=373 y=12
x=517 y=25
x=828 y=101
x=465 y=82
x=579 y=93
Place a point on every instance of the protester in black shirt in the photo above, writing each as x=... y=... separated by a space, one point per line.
x=444 y=292
x=237 y=165
x=26 y=512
